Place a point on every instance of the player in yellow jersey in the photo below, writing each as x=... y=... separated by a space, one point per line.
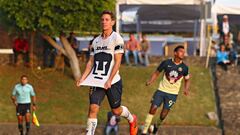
x=174 y=71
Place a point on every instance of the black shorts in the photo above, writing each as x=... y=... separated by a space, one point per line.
x=114 y=95
x=167 y=99
x=22 y=109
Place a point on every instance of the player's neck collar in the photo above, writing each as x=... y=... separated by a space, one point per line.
x=178 y=62
x=23 y=84
x=102 y=35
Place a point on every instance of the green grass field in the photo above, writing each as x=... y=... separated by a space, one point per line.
x=59 y=101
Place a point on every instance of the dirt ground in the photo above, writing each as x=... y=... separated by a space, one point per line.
x=51 y=129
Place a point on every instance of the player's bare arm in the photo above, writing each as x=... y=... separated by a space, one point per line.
x=14 y=100
x=154 y=76
x=186 y=86
x=139 y=46
x=117 y=59
x=148 y=46
x=126 y=46
x=87 y=71
x=34 y=103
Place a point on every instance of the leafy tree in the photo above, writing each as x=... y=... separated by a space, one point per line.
x=56 y=18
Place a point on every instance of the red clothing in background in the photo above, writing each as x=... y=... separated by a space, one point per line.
x=132 y=45
x=21 y=45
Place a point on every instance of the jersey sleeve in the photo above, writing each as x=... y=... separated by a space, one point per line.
x=92 y=47
x=92 y=51
x=186 y=73
x=119 y=45
x=32 y=91
x=161 y=66
x=14 y=92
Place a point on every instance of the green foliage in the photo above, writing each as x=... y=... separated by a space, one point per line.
x=55 y=16
x=24 y=13
x=7 y=24
x=60 y=97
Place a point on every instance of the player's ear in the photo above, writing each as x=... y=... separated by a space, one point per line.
x=113 y=22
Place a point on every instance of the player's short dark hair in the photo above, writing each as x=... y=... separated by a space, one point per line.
x=131 y=33
x=222 y=44
x=24 y=76
x=108 y=12
x=178 y=47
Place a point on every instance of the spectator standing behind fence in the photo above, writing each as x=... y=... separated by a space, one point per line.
x=224 y=26
x=49 y=54
x=228 y=43
x=21 y=47
x=90 y=48
x=73 y=42
x=237 y=43
x=145 y=46
x=112 y=123
x=131 y=47
x=222 y=57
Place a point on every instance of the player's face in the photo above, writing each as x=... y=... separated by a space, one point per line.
x=24 y=80
x=225 y=39
x=225 y=19
x=107 y=22
x=180 y=53
x=222 y=48
x=144 y=37
x=132 y=37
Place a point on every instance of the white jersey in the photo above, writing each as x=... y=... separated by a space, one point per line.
x=103 y=51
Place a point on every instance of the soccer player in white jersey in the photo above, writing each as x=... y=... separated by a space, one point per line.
x=102 y=74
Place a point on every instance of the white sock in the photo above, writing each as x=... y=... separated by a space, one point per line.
x=91 y=126
x=147 y=123
x=126 y=114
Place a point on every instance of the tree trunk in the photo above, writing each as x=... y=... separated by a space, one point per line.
x=31 y=45
x=54 y=44
x=71 y=54
x=68 y=52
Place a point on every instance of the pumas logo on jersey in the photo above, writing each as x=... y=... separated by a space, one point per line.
x=102 y=62
x=102 y=48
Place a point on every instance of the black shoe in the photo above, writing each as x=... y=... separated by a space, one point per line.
x=155 y=129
